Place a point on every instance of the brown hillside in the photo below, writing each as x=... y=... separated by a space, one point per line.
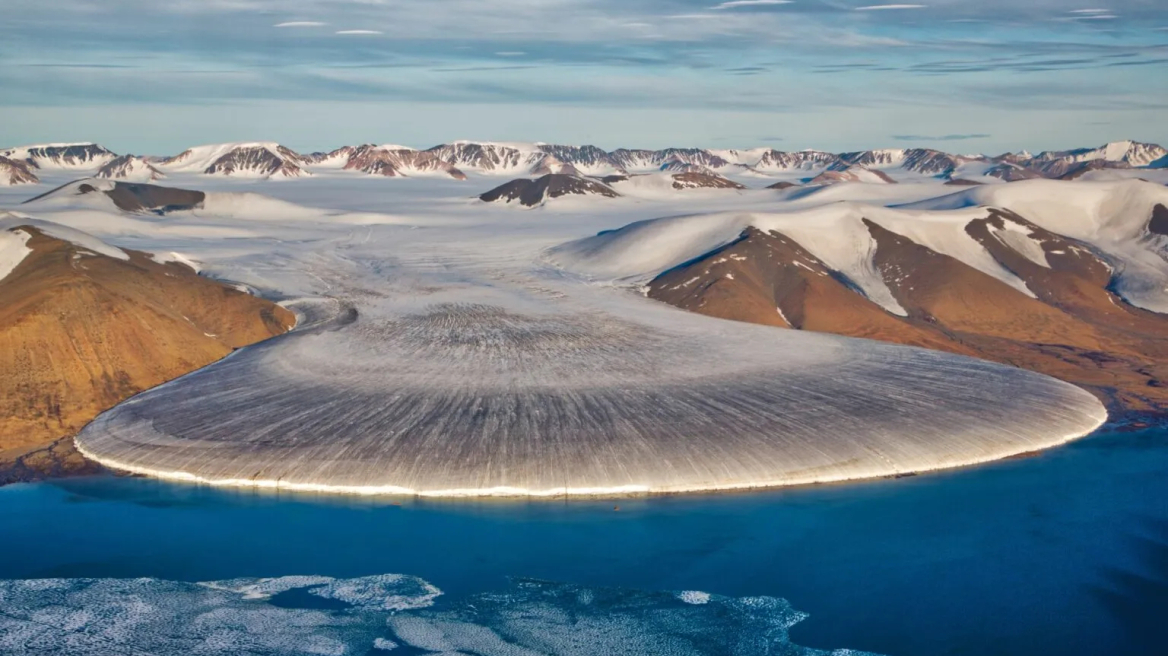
x=1075 y=329
x=80 y=332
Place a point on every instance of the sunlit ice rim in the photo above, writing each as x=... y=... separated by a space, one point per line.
x=560 y=492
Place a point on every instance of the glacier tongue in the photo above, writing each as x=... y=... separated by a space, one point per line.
x=471 y=378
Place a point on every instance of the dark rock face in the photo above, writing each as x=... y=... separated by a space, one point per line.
x=1073 y=171
x=534 y=192
x=581 y=156
x=486 y=157
x=854 y=173
x=703 y=180
x=128 y=165
x=389 y=162
x=1011 y=172
x=133 y=197
x=256 y=160
x=783 y=184
x=1158 y=224
x=962 y=182
x=72 y=155
x=136 y=197
x=805 y=160
x=14 y=172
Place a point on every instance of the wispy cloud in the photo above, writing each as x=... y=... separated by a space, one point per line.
x=944 y=137
x=1010 y=59
x=751 y=3
x=889 y=7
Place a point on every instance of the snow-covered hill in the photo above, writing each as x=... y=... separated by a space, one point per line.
x=131 y=168
x=16 y=172
x=65 y=156
x=245 y=160
x=394 y=161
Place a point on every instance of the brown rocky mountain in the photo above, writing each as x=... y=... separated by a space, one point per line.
x=1073 y=328
x=81 y=330
x=77 y=155
x=703 y=180
x=16 y=172
x=852 y=174
x=394 y=162
x=553 y=185
x=129 y=167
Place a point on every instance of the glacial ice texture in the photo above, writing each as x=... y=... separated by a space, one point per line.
x=321 y=616
x=533 y=394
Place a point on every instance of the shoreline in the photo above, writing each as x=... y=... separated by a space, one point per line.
x=518 y=494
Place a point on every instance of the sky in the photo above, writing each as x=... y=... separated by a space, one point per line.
x=154 y=77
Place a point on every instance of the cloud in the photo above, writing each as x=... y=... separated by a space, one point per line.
x=300 y=24
x=353 y=32
x=510 y=53
x=946 y=137
x=886 y=7
x=751 y=3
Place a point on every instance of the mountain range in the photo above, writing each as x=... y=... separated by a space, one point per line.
x=270 y=160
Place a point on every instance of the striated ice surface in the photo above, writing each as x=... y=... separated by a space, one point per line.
x=457 y=399
x=85 y=617
x=439 y=353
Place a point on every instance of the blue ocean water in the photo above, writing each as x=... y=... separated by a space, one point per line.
x=1065 y=552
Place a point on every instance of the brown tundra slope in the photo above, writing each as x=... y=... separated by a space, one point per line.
x=1074 y=328
x=81 y=331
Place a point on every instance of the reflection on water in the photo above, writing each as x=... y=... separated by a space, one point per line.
x=1062 y=553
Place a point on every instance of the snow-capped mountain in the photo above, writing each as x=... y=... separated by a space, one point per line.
x=60 y=155
x=131 y=168
x=489 y=157
x=532 y=193
x=1132 y=153
x=1011 y=172
x=395 y=161
x=247 y=160
x=458 y=159
x=15 y=172
x=588 y=160
x=332 y=159
x=925 y=161
x=777 y=161
x=677 y=166
x=854 y=173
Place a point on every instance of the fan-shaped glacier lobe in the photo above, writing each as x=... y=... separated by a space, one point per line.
x=519 y=395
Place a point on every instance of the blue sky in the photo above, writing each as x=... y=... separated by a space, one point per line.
x=148 y=76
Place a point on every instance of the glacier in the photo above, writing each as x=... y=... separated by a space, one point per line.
x=443 y=351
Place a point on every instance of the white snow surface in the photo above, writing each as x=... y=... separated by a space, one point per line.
x=833 y=233
x=9 y=220
x=1111 y=216
x=13 y=249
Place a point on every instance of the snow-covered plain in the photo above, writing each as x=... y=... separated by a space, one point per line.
x=451 y=347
